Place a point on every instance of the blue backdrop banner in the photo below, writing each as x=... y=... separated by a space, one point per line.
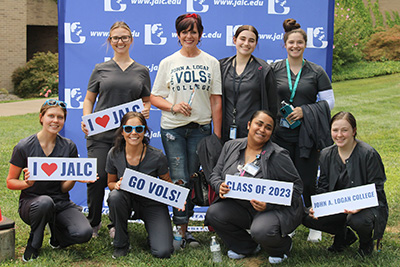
x=84 y=27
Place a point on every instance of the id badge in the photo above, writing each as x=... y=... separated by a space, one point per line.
x=284 y=123
x=232 y=131
x=251 y=168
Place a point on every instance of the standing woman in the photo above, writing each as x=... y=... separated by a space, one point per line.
x=115 y=82
x=300 y=83
x=132 y=150
x=188 y=91
x=248 y=85
x=43 y=202
x=346 y=164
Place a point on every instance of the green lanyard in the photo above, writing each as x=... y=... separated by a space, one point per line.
x=293 y=88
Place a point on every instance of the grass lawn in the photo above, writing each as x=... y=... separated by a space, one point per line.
x=375 y=104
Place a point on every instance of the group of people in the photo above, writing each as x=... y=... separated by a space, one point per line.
x=274 y=119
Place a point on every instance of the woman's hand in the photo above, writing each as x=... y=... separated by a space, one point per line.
x=296 y=115
x=223 y=189
x=352 y=211
x=258 y=205
x=311 y=214
x=146 y=109
x=90 y=181
x=84 y=129
x=118 y=184
x=183 y=108
x=27 y=174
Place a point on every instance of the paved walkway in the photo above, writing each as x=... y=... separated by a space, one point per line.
x=21 y=107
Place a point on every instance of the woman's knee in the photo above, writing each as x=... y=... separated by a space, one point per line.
x=42 y=205
x=162 y=253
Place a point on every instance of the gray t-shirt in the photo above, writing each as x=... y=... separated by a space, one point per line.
x=248 y=97
x=154 y=164
x=115 y=87
x=30 y=147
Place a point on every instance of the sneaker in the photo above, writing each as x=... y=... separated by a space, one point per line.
x=190 y=240
x=96 y=230
x=314 y=236
x=54 y=243
x=236 y=256
x=30 y=253
x=291 y=235
x=111 y=232
x=120 y=252
x=276 y=260
x=340 y=246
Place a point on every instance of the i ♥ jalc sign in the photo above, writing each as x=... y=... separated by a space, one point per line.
x=62 y=169
x=110 y=118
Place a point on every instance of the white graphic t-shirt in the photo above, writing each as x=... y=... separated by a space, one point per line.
x=189 y=79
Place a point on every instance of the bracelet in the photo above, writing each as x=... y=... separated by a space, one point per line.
x=172 y=109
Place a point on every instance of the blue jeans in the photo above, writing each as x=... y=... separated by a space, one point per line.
x=180 y=145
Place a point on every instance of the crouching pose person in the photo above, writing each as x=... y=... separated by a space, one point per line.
x=269 y=224
x=350 y=163
x=132 y=150
x=45 y=202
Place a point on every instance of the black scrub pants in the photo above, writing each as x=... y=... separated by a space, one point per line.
x=68 y=225
x=231 y=219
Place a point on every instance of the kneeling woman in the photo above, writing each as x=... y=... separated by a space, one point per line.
x=132 y=150
x=45 y=202
x=269 y=224
x=350 y=163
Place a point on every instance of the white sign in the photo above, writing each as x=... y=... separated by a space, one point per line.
x=354 y=198
x=62 y=169
x=110 y=118
x=155 y=189
x=269 y=191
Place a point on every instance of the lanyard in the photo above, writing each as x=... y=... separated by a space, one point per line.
x=237 y=90
x=289 y=76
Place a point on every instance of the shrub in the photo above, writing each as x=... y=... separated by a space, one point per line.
x=384 y=45
x=39 y=76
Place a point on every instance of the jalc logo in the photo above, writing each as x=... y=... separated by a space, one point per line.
x=74 y=98
x=108 y=6
x=190 y=6
x=277 y=7
x=72 y=33
x=316 y=38
x=153 y=34
x=230 y=32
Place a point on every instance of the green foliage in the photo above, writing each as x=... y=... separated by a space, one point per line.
x=39 y=76
x=384 y=45
x=364 y=69
x=355 y=22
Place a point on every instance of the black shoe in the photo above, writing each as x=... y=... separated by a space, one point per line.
x=190 y=240
x=30 y=253
x=339 y=246
x=120 y=252
x=366 y=248
x=54 y=244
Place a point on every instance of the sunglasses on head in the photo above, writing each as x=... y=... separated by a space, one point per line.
x=53 y=102
x=129 y=128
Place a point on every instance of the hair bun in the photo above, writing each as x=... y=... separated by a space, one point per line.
x=290 y=24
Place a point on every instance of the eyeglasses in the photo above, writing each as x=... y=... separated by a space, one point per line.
x=124 y=38
x=138 y=129
x=53 y=102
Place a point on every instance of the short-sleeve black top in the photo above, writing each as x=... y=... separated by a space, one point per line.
x=154 y=164
x=30 y=147
x=115 y=87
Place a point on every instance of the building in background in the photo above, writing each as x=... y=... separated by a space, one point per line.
x=27 y=26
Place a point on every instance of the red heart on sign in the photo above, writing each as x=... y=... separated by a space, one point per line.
x=102 y=121
x=49 y=169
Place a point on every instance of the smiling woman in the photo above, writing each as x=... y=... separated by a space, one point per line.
x=47 y=202
x=188 y=91
x=115 y=82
